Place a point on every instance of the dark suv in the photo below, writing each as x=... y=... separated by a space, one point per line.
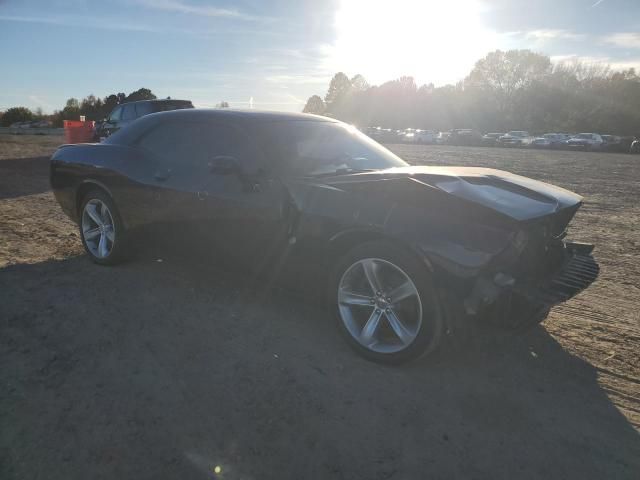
x=126 y=113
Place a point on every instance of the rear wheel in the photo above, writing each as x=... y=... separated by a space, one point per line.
x=385 y=303
x=101 y=229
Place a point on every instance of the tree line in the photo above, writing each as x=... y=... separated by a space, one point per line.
x=92 y=107
x=512 y=90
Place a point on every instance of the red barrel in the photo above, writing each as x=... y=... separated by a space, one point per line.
x=78 y=132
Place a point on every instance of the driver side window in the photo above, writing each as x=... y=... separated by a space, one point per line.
x=190 y=146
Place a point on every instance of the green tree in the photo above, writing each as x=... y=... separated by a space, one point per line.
x=140 y=94
x=72 y=103
x=498 y=79
x=339 y=87
x=16 y=114
x=109 y=103
x=91 y=107
x=222 y=104
x=359 y=84
x=506 y=72
x=315 y=105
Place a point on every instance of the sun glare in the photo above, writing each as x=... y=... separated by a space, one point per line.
x=433 y=41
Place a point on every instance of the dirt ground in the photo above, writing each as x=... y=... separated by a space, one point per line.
x=169 y=369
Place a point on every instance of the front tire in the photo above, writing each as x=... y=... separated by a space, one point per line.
x=101 y=229
x=385 y=303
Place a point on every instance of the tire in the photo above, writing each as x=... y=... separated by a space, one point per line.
x=111 y=231
x=379 y=327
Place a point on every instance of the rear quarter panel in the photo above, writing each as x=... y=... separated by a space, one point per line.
x=120 y=171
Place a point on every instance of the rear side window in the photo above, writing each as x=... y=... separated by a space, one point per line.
x=169 y=105
x=129 y=112
x=143 y=108
x=187 y=145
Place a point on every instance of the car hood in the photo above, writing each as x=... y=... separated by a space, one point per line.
x=519 y=198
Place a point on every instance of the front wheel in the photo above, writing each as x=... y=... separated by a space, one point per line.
x=385 y=303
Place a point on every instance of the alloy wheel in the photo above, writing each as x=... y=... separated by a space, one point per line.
x=98 y=228
x=379 y=305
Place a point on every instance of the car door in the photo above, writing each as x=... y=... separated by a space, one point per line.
x=236 y=214
x=246 y=201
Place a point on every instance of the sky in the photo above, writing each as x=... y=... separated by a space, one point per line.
x=274 y=54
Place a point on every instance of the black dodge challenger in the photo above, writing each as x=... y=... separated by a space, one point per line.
x=406 y=253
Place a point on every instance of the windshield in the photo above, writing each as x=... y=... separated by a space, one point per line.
x=310 y=148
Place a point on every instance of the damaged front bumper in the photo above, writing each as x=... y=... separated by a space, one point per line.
x=523 y=301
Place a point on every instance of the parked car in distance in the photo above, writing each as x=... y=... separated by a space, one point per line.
x=420 y=136
x=21 y=125
x=515 y=138
x=401 y=251
x=616 y=144
x=126 y=113
x=464 y=137
x=382 y=135
x=443 y=138
x=550 y=140
x=585 y=141
x=490 y=139
x=426 y=136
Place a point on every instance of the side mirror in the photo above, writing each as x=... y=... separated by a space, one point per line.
x=224 y=165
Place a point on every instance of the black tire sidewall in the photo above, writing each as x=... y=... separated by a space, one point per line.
x=117 y=253
x=430 y=335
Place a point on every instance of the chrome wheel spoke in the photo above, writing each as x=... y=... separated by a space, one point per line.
x=350 y=298
x=91 y=234
x=402 y=292
x=369 y=329
x=369 y=267
x=398 y=327
x=104 y=214
x=102 y=246
x=109 y=233
x=93 y=214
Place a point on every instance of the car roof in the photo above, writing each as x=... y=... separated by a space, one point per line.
x=237 y=114
x=159 y=100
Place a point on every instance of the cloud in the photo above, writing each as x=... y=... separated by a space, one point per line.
x=76 y=21
x=624 y=40
x=201 y=10
x=40 y=102
x=298 y=79
x=544 y=34
x=109 y=23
